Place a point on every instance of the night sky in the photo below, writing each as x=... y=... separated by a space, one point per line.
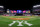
x=19 y=4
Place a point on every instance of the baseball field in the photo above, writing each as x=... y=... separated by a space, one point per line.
x=5 y=20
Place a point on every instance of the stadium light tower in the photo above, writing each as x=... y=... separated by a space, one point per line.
x=1 y=6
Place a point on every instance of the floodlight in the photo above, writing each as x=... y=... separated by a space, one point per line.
x=36 y=6
x=1 y=6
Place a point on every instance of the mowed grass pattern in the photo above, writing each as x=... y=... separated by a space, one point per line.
x=4 y=21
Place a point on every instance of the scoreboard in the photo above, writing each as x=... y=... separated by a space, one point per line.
x=19 y=11
x=28 y=11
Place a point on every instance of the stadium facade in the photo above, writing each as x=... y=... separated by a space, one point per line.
x=1 y=10
x=36 y=10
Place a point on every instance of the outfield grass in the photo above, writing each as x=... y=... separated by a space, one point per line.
x=4 y=21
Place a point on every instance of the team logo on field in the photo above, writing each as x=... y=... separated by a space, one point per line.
x=20 y=23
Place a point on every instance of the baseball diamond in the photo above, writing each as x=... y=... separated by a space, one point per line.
x=5 y=20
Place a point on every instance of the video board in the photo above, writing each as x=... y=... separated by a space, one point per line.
x=14 y=11
x=24 y=11
x=27 y=11
x=19 y=11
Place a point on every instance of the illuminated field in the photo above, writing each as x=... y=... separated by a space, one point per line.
x=5 y=20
